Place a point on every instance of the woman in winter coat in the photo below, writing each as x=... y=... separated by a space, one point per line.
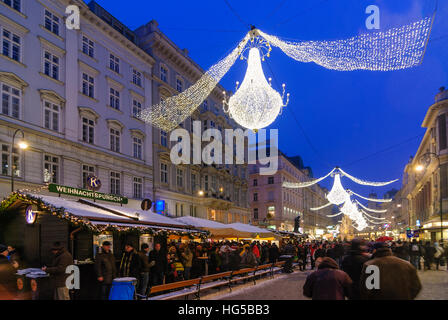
x=328 y=282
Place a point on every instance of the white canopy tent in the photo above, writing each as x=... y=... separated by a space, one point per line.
x=217 y=229
x=252 y=230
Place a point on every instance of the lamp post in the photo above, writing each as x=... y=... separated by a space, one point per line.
x=420 y=168
x=22 y=145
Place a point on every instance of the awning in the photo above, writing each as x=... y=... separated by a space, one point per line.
x=217 y=229
x=104 y=217
x=252 y=230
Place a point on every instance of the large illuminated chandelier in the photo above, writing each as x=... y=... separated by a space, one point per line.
x=339 y=196
x=256 y=104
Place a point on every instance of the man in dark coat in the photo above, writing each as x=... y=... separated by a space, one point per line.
x=7 y=278
x=158 y=265
x=274 y=253
x=106 y=269
x=328 y=282
x=353 y=265
x=61 y=260
x=429 y=255
x=131 y=264
x=144 y=273
x=398 y=279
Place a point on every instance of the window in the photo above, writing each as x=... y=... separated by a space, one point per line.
x=442 y=132
x=271 y=196
x=88 y=47
x=51 y=22
x=163 y=74
x=138 y=188
x=271 y=180
x=11 y=45
x=88 y=85
x=205 y=105
x=115 y=140
x=206 y=183
x=6 y=170
x=88 y=130
x=138 y=148
x=255 y=183
x=255 y=213
x=180 y=178
x=193 y=182
x=179 y=85
x=114 y=98
x=236 y=194
x=163 y=138
x=51 y=65
x=163 y=173
x=51 y=116
x=255 y=196
x=51 y=166
x=11 y=101
x=136 y=108
x=87 y=171
x=114 y=63
x=136 y=77
x=115 y=183
x=15 y=4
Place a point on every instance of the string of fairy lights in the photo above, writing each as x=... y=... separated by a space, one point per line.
x=341 y=197
x=256 y=104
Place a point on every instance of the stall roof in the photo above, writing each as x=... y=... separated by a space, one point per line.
x=249 y=228
x=143 y=216
x=201 y=223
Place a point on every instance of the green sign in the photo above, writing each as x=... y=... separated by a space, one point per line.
x=87 y=194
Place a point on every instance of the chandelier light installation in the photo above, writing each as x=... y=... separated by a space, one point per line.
x=341 y=197
x=256 y=104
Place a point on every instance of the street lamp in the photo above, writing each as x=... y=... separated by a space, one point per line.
x=427 y=156
x=200 y=193
x=22 y=145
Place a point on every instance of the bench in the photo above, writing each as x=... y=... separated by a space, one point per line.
x=243 y=274
x=278 y=266
x=264 y=269
x=215 y=281
x=188 y=287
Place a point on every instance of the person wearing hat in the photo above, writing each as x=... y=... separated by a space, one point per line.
x=105 y=269
x=398 y=279
x=61 y=260
x=7 y=278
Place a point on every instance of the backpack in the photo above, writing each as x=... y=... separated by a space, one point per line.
x=438 y=253
x=415 y=248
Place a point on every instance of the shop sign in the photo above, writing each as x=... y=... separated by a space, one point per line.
x=146 y=205
x=87 y=194
x=160 y=206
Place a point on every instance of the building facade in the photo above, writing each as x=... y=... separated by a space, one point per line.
x=425 y=179
x=278 y=207
x=75 y=94
x=216 y=192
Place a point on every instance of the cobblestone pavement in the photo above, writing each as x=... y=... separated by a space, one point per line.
x=289 y=287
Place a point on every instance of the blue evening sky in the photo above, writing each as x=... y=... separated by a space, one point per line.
x=347 y=116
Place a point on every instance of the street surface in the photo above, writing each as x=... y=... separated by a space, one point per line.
x=289 y=287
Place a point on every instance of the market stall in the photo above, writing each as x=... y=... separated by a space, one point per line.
x=33 y=222
x=254 y=233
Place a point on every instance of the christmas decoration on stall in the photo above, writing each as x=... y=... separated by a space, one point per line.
x=86 y=224
x=256 y=104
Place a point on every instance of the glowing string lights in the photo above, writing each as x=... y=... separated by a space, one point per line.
x=321 y=207
x=169 y=113
x=394 y=49
x=369 y=199
x=292 y=185
x=369 y=209
x=367 y=183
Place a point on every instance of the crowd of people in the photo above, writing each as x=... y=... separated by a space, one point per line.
x=362 y=270
x=340 y=266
